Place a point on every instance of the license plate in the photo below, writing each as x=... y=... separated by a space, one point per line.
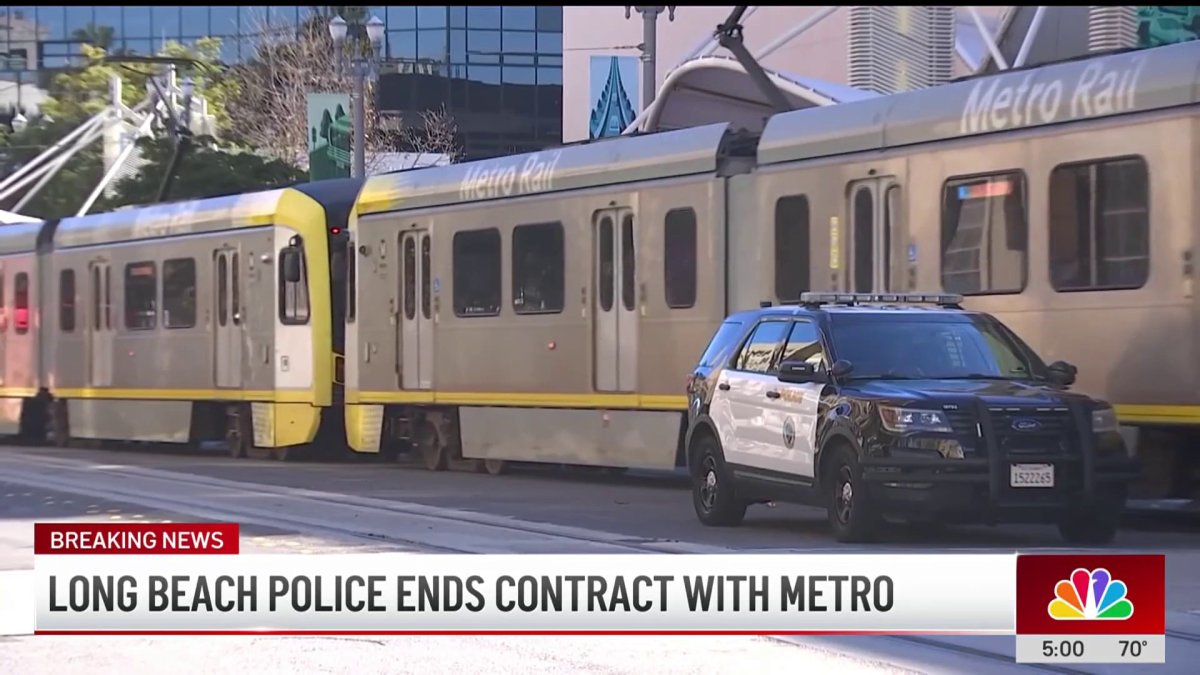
x=1031 y=475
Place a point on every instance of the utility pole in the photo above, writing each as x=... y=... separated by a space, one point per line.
x=649 y=47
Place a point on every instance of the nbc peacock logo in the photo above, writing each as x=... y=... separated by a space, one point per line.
x=1090 y=595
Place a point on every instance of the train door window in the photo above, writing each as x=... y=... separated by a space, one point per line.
x=628 y=263
x=179 y=293
x=66 y=301
x=141 y=296
x=97 y=321
x=538 y=285
x=293 y=295
x=864 y=240
x=426 y=288
x=606 y=264
x=477 y=273
x=792 y=253
x=984 y=233
x=107 y=298
x=21 y=303
x=222 y=289
x=235 y=298
x=3 y=308
x=760 y=349
x=1099 y=225
x=410 y=278
x=679 y=258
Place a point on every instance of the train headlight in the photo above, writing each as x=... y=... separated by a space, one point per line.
x=903 y=420
x=1104 y=420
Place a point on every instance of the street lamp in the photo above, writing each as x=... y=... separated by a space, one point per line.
x=348 y=55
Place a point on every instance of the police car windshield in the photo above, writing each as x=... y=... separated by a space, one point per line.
x=893 y=347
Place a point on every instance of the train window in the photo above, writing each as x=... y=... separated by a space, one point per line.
x=538 y=286
x=66 y=301
x=222 y=289
x=760 y=349
x=628 y=263
x=179 y=293
x=3 y=310
x=410 y=278
x=679 y=258
x=293 y=295
x=351 y=281
x=141 y=296
x=984 y=233
x=96 y=297
x=792 y=253
x=425 y=272
x=235 y=299
x=606 y=264
x=107 y=298
x=864 y=240
x=477 y=272
x=1099 y=225
x=21 y=303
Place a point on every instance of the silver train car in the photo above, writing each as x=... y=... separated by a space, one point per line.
x=218 y=319
x=547 y=307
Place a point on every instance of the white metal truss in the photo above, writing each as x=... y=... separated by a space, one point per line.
x=147 y=117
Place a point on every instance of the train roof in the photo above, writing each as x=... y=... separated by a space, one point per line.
x=199 y=215
x=616 y=160
x=19 y=237
x=1136 y=81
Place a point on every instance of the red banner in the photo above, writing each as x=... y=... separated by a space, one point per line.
x=135 y=538
x=1091 y=594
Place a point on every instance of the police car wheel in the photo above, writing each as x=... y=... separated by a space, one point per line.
x=852 y=516
x=713 y=493
x=1096 y=528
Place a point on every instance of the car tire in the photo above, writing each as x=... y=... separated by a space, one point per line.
x=852 y=515
x=1096 y=527
x=713 y=492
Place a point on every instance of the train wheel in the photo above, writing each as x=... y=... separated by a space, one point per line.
x=60 y=425
x=433 y=452
x=239 y=437
x=495 y=467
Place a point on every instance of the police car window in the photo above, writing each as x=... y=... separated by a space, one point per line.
x=927 y=349
x=804 y=344
x=719 y=346
x=762 y=345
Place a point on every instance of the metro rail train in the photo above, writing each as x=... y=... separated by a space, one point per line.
x=218 y=319
x=547 y=307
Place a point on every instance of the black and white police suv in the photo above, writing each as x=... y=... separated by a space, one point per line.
x=900 y=405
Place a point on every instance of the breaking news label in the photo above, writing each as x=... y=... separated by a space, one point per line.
x=191 y=579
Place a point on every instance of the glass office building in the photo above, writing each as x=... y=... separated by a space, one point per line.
x=498 y=70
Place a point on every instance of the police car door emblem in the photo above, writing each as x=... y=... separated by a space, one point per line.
x=789 y=432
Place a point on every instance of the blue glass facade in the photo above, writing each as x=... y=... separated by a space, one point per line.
x=498 y=70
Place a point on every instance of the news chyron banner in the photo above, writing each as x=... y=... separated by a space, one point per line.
x=191 y=579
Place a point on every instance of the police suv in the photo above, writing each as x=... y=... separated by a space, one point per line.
x=901 y=405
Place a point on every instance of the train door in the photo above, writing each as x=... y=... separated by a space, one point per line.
x=416 y=315
x=873 y=205
x=615 y=293
x=100 y=325
x=227 y=341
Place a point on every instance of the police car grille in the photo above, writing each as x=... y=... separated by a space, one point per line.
x=962 y=422
x=1033 y=431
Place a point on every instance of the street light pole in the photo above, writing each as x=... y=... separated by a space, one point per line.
x=361 y=69
x=650 y=47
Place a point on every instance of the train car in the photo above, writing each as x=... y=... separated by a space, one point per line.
x=190 y=322
x=1041 y=195
x=1028 y=191
x=20 y=330
x=534 y=307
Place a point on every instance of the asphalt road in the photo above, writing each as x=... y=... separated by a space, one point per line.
x=332 y=507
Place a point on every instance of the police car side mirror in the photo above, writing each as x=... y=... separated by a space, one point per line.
x=800 y=372
x=1062 y=373
x=841 y=368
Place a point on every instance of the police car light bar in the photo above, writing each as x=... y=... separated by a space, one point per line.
x=856 y=298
